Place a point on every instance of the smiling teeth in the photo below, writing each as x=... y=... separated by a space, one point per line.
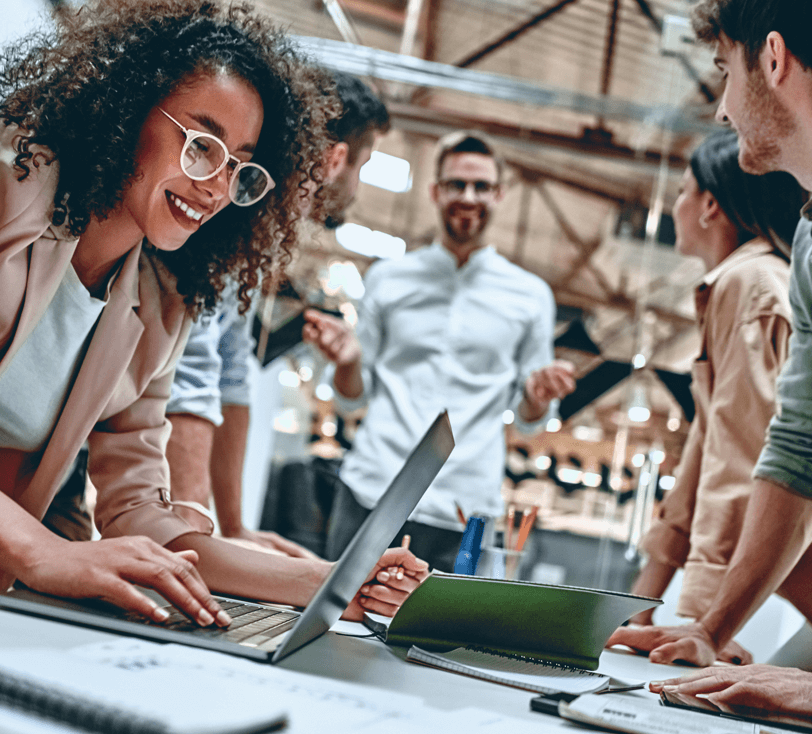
x=186 y=209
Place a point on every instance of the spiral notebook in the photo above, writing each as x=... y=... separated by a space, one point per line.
x=518 y=671
x=139 y=698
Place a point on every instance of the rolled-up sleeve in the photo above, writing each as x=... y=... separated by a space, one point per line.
x=786 y=459
x=235 y=348
x=196 y=387
x=128 y=466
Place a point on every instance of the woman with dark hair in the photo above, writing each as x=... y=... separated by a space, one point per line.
x=149 y=151
x=740 y=226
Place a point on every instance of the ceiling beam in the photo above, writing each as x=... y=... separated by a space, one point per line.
x=513 y=34
x=588 y=183
x=522 y=222
x=431 y=28
x=342 y=22
x=414 y=9
x=438 y=122
x=375 y=13
x=589 y=302
x=609 y=48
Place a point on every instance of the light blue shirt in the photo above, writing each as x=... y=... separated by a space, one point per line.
x=435 y=336
x=213 y=369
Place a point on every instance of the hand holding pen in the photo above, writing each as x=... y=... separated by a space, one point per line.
x=385 y=589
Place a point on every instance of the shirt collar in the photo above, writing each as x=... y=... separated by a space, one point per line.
x=478 y=258
x=747 y=251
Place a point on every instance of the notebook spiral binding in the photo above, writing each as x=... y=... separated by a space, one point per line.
x=30 y=697
x=529 y=659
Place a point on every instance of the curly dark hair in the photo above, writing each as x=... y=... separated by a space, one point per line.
x=85 y=90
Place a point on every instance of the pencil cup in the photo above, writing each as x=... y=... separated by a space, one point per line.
x=499 y=563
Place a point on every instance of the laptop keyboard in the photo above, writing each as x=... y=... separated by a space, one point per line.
x=252 y=624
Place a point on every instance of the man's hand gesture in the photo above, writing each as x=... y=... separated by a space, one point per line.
x=333 y=337
x=555 y=381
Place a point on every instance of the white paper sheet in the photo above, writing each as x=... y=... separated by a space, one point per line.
x=644 y=716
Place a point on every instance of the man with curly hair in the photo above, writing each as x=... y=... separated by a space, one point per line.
x=210 y=395
x=150 y=151
x=763 y=50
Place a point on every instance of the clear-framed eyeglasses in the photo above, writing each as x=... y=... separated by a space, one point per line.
x=204 y=155
x=457 y=187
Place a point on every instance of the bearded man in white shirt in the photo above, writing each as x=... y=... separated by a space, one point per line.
x=451 y=326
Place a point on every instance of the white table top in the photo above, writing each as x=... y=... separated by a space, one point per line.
x=378 y=669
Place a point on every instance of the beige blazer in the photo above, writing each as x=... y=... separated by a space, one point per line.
x=744 y=320
x=117 y=402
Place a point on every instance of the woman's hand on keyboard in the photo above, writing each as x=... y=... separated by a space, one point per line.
x=107 y=569
x=397 y=574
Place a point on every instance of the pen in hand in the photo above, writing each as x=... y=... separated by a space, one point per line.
x=405 y=545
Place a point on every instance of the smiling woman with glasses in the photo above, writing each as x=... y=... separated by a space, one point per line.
x=204 y=155
x=150 y=151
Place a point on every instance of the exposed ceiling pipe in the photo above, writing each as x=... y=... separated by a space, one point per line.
x=385 y=65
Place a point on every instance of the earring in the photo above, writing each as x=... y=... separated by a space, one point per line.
x=703 y=220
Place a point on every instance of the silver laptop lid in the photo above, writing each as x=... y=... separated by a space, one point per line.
x=373 y=537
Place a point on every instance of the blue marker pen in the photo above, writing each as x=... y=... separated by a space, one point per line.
x=470 y=546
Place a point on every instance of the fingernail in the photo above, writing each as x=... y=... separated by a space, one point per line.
x=670 y=688
x=161 y=614
x=399 y=574
x=657 y=683
x=365 y=589
x=223 y=619
x=384 y=576
x=363 y=601
x=205 y=618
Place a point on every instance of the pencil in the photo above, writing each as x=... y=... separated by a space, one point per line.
x=511 y=513
x=405 y=545
x=528 y=520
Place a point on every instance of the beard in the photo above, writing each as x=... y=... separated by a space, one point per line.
x=335 y=198
x=770 y=123
x=462 y=234
x=334 y=221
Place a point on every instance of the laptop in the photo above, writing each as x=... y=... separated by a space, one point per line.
x=268 y=632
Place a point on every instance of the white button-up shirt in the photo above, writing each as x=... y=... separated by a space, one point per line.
x=437 y=336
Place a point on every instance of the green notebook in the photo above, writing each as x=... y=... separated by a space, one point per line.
x=566 y=625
